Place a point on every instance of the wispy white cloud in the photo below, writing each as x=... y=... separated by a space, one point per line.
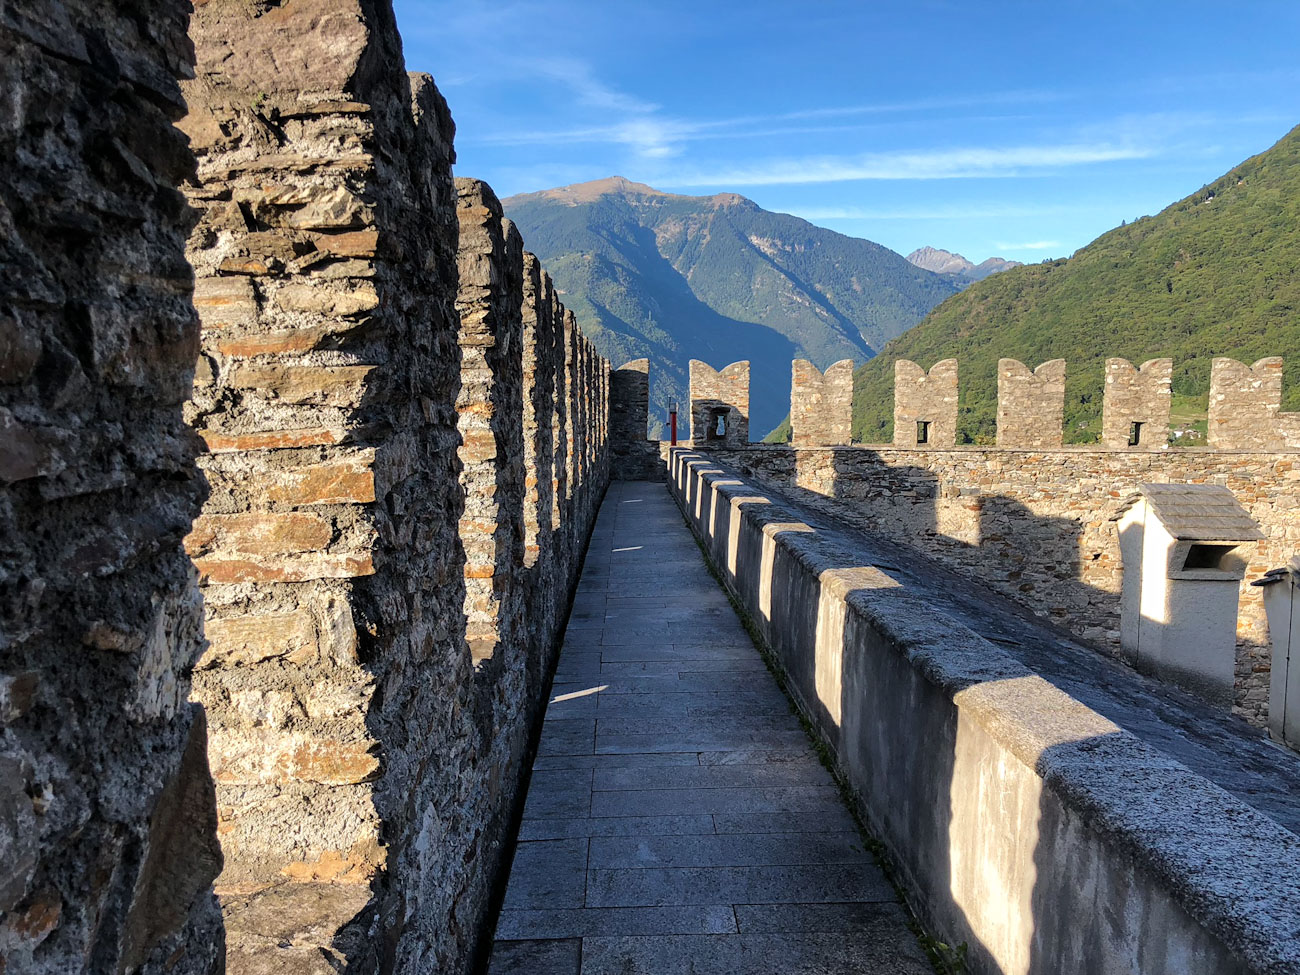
x=1016 y=97
x=996 y=212
x=1033 y=245
x=957 y=163
x=579 y=78
x=669 y=131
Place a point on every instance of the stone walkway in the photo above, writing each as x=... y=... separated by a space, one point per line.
x=678 y=820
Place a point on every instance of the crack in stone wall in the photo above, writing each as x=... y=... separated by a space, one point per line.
x=107 y=817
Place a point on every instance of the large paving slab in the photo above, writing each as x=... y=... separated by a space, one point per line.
x=678 y=819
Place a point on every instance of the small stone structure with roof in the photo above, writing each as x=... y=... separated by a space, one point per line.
x=1181 y=547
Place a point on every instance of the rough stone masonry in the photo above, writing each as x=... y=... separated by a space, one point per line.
x=362 y=398
x=719 y=404
x=633 y=457
x=821 y=404
x=1031 y=404
x=925 y=404
x=107 y=822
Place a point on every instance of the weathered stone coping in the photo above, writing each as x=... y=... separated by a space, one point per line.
x=1075 y=448
x=1214 y=878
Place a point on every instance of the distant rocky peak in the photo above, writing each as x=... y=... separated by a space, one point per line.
x=939 y=261
x=946 y=262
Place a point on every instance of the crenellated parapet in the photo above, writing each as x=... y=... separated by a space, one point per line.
x=821 y=404
x=1031 y=404
x=719 y=404
x=1135 y=404
x=394 y=407
x=1244 y=410
x=1246 y=407
x=925 y=404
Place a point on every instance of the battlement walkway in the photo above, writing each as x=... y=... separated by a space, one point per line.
x=678 y=819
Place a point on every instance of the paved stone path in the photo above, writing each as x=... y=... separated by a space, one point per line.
x=678 y=820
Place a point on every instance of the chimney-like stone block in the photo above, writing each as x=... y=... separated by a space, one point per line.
x=821 y=404
x=1031 y=405
x=925 y=404
x=1135 y=404
x=719 y=404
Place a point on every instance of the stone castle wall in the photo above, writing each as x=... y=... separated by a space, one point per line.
x=719 y=395
x=1246 y=407
x=632 y=456
x=1035 y=525
x=1135 y=405
x=928 y=398
x=1031 y=404
x=383 y=571
x=405 y=438
x=107 y=818
x=490 y=308
x=821 y=404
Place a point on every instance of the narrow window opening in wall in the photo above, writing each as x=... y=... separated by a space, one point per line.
x=1208 y=556
x=922 y=431
x=717 y=429
x=1134 y=434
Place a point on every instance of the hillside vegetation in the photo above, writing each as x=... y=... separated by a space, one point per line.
x=718 y=278
x=1217 y=273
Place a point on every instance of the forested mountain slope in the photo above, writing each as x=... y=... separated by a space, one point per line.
x=1217 y=273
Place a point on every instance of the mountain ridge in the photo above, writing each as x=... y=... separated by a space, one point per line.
x=673 y=277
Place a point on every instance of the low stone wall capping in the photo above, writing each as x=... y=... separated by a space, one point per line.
x=1027 y=826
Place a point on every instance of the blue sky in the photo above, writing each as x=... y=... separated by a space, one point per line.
x=1016 y=129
